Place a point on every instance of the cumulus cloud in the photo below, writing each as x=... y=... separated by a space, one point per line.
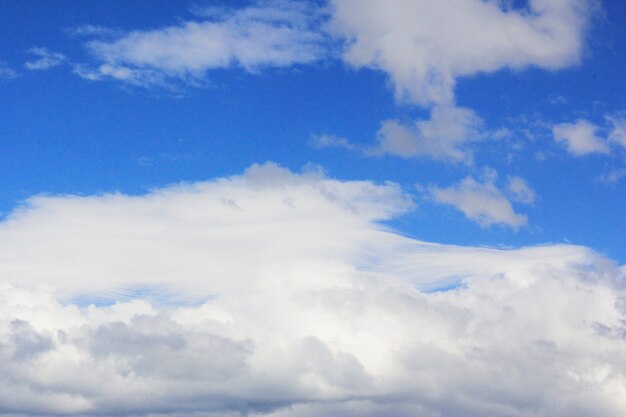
x=45 y=59
x=580 y=138
x=426 y=45
x=445 y=136
x=267 y=34
x=483 y=202
x=280 y=294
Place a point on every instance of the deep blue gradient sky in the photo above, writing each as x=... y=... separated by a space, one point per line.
x=63 y=134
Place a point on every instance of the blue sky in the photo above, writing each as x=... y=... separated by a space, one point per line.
x=65 y=134
x=486 y=134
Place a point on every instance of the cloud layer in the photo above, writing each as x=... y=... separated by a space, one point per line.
x=280 y=294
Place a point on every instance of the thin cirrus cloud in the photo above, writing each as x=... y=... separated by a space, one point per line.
x=300 y=304
x=44 y=59
x=617 y=134
x=267 y=34
x=7 y=72
x=483 y=202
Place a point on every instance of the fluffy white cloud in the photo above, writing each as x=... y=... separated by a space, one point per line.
x=299 y=304
x=580 y=138
x=268 y=34
x=445 y=136
x=45 y=59
x=483 y=202
x=425 y=45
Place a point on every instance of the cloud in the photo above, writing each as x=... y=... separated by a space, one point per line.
x=483 y=202
x=519 y=190
x=332 y=141
x=280 y=294
x=46 y=59
x=425 y=46
x=617 y=135
x=7 y=72
x=232 y=210
x=580 y=138
x=267 y=34
x=613 y=176
x=445 y=136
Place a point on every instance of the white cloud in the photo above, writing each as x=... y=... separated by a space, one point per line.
x=426 y=45
x=302 y=306
x=268 y=34
x=617 y=135
x=46 y=59
x=264 y=200
x=332 y=141
x=580 y=138
x=445 y=136
x=483 y=202
x=519 y=190
x=612 y=176
x=7 y=72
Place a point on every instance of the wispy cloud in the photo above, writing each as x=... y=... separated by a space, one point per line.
x=267 y=34
x=332 y=141
x=302 y=306
x=7 y=72
x=613 y=176
x=520 y=191
x=617 y=133
x=44 y=59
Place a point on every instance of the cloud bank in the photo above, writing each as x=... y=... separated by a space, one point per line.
x=281 y=294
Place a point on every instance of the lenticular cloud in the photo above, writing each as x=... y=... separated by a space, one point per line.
x=281 y=294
